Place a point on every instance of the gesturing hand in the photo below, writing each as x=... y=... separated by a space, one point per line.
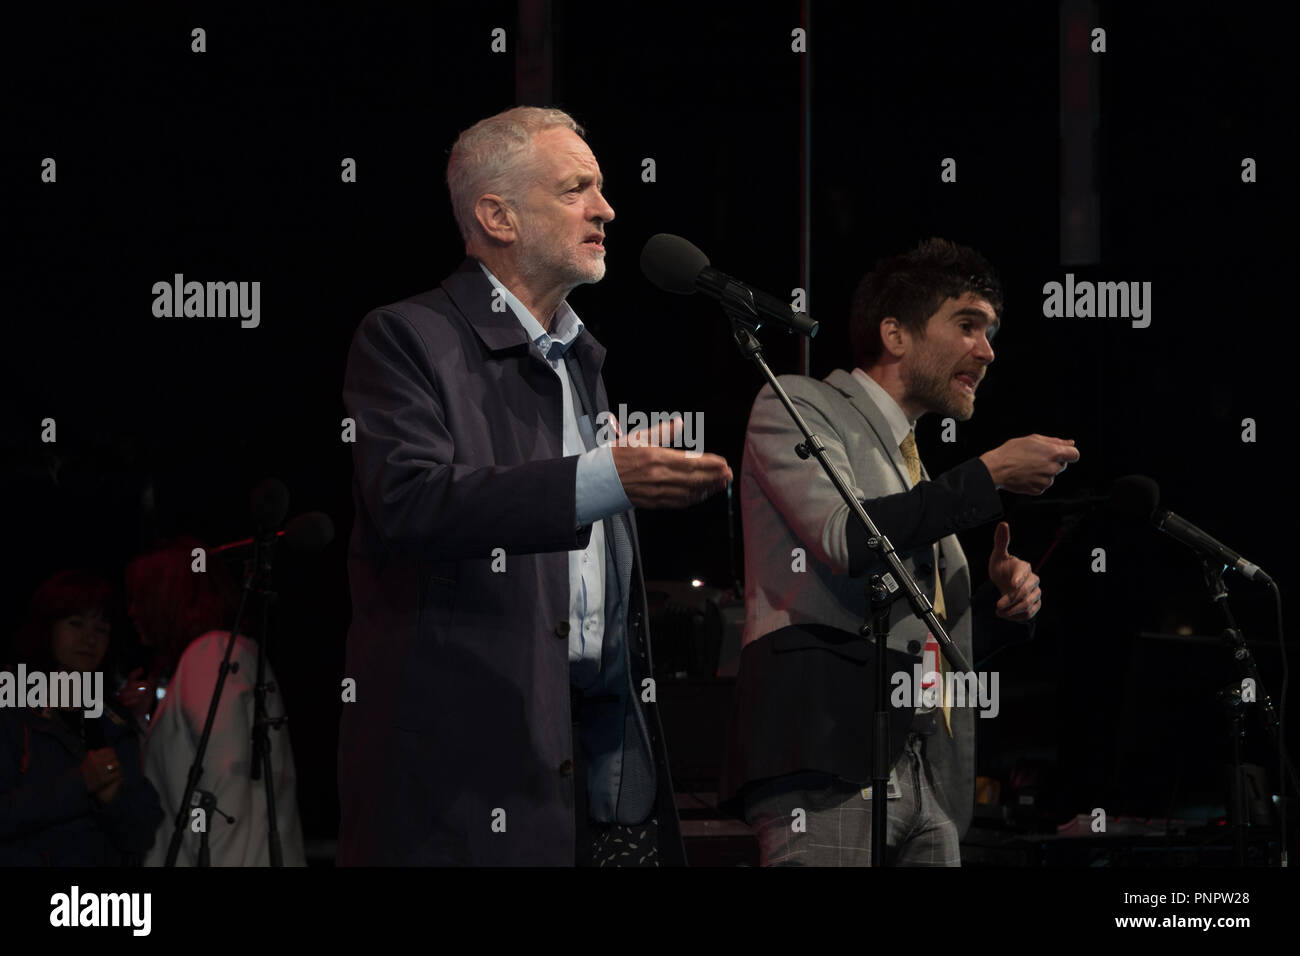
x=1015 y=578
x=657 y=476
x=1029 y=465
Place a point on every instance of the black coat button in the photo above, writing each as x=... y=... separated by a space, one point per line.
x=562 y=629
x=913 y=647
x=566 y=769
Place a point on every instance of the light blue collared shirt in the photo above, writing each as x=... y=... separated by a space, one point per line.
x=598 y=493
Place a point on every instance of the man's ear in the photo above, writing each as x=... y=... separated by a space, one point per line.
x=496 y=218
x=893 y=336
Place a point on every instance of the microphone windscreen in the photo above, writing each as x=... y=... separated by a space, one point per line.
x=310 y=532
x=1135 y=497
x=270 y=503
x=672 y=263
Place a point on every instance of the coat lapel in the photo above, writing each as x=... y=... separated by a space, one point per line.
x=843 y=383
x=471 y=291
x=950 y=550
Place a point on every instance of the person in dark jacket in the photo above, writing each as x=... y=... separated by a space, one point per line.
x=72 y=792
x=504 y=711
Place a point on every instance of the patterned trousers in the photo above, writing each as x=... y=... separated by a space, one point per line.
x=835 y=828
x=608 y=844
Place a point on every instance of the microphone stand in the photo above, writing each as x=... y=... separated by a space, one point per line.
x=207 y=801
x=261 y=762
x=1234 y=705
x=258 y=567
x=883 y=588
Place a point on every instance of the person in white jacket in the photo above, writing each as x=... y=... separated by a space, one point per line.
x=178 y=612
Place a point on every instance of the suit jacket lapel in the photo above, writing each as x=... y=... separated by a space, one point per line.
x=843 y=383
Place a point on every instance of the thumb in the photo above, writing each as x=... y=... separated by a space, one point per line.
x=1001 y=539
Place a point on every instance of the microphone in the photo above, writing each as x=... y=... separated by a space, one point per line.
x=1138 y=497
x=310 y=532
x=676 y=265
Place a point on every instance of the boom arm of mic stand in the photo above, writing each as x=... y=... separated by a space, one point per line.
x=742 y=330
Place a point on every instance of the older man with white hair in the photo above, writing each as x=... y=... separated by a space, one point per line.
x=499 y=642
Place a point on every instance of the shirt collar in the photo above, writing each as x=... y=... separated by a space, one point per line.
x=898 y=423
x=552 y=345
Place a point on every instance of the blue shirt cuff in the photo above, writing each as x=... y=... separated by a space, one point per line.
x=597 y=490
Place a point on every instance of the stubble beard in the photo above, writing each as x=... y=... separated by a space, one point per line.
x=933 y=389
x=541 y=261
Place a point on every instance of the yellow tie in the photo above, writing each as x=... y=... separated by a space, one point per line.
x=913 y=462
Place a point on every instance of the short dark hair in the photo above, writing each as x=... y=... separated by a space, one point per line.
x=63 y=594
x=911 y=287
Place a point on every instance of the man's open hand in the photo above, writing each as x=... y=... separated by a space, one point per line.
x=655 y=475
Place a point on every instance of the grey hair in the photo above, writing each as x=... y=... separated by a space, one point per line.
x=496 y=155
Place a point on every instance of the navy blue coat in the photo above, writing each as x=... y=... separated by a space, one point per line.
x=458 y=748
x=46 y=816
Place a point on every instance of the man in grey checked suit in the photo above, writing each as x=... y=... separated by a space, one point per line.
x=921 y=328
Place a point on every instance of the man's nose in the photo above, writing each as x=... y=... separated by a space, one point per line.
x=603 y=210
x=984 y=352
